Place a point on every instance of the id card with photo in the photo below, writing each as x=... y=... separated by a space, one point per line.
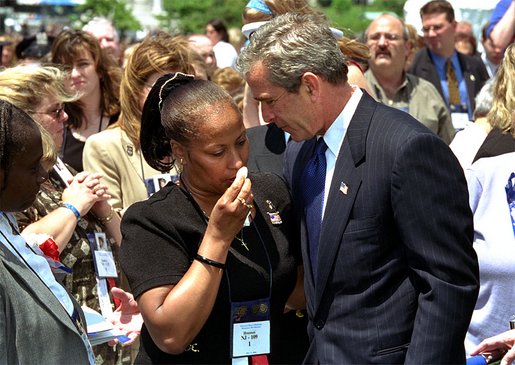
x=102 y=255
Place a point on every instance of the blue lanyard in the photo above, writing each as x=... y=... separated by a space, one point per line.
x=510 y=197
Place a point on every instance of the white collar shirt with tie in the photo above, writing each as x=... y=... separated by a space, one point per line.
x=334 y=136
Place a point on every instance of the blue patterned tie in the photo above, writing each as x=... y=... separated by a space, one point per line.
x=313 y=185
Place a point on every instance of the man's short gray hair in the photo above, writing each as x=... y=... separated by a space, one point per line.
x=292 y=44
x=99 y=21
x=484 y=99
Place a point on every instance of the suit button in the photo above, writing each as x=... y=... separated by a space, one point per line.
x=319 y=324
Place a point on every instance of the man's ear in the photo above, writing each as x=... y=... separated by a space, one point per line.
x=310 y=83
x=408 y=47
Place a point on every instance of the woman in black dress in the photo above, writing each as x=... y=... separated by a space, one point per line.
x=209 y=284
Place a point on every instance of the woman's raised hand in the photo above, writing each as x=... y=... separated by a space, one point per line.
x=231 y=210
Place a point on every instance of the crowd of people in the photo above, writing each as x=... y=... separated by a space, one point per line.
x=306 y=197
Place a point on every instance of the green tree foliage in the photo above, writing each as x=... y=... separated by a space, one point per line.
x=191 y=16
x=394 y=6
x=351 y=18
x=116 y=10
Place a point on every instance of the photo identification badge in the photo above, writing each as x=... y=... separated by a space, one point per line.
x=250 y=327
x=102 y=255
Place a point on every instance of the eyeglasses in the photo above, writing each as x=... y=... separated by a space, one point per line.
x=388 y=36
x=435 y=28
x=56 y=114
x=271 y=102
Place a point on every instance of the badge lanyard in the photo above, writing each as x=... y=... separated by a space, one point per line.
x=510 y=197
x=102 y=257
x=250 y=320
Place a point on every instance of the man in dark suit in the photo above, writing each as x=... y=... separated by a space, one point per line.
x=430 y=63
x=391 y=277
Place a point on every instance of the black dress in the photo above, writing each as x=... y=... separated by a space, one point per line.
x=161 y=237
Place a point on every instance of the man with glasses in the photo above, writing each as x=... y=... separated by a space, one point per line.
x=387 y=39
x=457 y=77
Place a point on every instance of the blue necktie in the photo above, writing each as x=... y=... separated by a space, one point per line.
x=313 y=186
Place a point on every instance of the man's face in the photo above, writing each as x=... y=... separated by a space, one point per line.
x=204 y=47
x=438 y=32
x=107 y=39
x=493 y=53
x=292 y=112
x=388 y=49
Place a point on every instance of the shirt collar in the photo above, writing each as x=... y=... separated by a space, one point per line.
x=440 y=61
x=336 y=132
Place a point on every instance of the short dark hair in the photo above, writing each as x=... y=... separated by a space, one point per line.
x=174 y=110
x=15 y=127
x=438 y=7
x=220 y=28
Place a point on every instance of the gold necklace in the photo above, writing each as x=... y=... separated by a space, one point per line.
x=243 y=243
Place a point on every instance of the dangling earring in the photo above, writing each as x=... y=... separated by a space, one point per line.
x=178 y=165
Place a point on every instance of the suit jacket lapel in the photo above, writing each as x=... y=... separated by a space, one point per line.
x=40 y=291
x=339 y=204
x=133 y=154
x=469 y=78
x=430 y=73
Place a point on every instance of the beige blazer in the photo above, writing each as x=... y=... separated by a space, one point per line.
x=112 y=154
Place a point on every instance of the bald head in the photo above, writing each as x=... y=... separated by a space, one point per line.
x=203 y=46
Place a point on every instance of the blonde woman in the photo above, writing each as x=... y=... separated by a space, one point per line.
x=491 y=180
x=73 y=210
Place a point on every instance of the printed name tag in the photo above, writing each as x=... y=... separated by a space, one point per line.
x=251 y=338
x=104 y=262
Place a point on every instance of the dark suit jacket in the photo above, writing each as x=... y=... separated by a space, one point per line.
x=266 y=149
x=397 y=276
x=474 y=72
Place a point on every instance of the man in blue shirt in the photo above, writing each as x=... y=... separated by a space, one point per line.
x=431 y=63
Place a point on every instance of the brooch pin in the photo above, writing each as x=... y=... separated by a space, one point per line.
x=273 y=214
x=344 y=188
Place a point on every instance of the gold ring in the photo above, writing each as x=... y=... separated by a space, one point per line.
x=249 y=206
x=241 y=200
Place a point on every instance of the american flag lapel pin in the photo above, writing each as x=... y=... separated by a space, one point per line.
x=344 y=188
